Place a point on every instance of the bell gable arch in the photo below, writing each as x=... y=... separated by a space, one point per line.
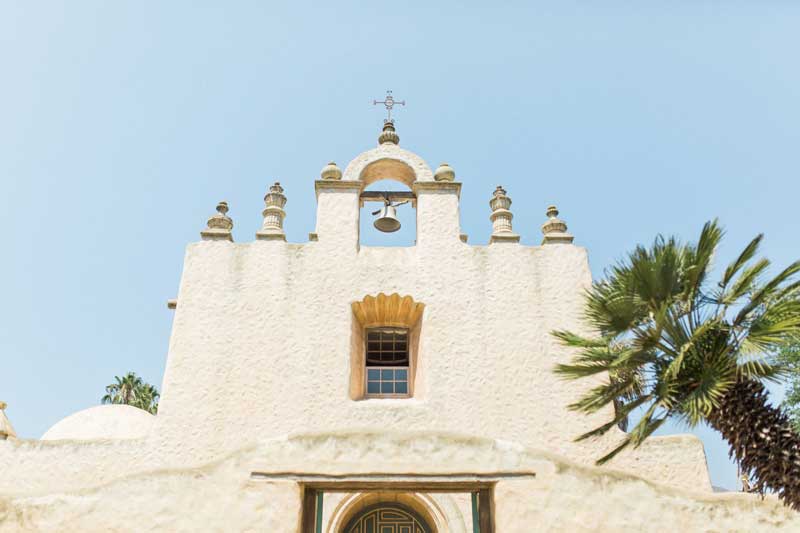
x=388 y=161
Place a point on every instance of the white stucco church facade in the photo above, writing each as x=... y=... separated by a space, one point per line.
x=331 y=387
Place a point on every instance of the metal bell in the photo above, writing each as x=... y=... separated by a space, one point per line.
x=387 y=222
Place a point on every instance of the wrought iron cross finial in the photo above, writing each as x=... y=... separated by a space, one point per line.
x=389 y=102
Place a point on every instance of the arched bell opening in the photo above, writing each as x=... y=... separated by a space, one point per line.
x=388 y=169
x=388 y=215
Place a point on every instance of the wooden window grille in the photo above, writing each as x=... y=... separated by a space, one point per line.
x=387 y=362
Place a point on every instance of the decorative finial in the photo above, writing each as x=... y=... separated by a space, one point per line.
x=444 y=173
x=388 y=135
x=331 y=172
x=389 y=102
x=555 y=229
x=219 y=225
x=502 y=230
x=6 y=429
x=273 y=213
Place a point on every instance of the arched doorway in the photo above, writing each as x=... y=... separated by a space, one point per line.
x=387 y=518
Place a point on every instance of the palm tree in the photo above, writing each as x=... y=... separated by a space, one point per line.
x=790 y=357
x=674 y=345
x=147 y=398
x=124 y=390
x=131 y=390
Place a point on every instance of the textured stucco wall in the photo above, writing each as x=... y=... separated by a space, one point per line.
x=261 y=343
x=556 y=494
x=572 y=501
x=261 y=349
x=216 y=497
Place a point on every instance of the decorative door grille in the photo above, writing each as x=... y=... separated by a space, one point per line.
x=387 y=518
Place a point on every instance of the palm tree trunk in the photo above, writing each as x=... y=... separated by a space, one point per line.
x=761 y=439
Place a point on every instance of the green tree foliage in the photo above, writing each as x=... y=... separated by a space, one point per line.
x=790 y=358
x=673 y=344
x=131 y=390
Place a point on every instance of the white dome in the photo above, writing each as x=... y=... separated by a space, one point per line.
x=102 y=422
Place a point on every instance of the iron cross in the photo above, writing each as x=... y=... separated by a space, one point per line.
x=389 y=102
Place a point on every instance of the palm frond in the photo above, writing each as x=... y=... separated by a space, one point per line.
x=576 y=341
x=769 y=290
x=744 y=257
x=694 y=338
x=700 y=257
x=580 y=370
x=602 y=395
x=620 y=415
x=761 y=369
x=744 y=284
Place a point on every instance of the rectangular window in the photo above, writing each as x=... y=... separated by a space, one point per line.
x=387 y=362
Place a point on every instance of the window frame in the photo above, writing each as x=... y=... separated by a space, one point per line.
x=383 y=370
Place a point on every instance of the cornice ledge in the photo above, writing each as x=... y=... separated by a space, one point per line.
x=437 y=186
x=216 y=234
x=347 y=185
x=504 y=237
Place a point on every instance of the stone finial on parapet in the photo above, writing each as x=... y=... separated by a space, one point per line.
x=6 y=430
x=273 y=213
x=555 y=229
x=444 y=173
x=501 y=217
x=388 y=135
x=219 y=225
x=331 y=172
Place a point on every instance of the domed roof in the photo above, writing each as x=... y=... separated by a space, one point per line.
x=102 y=422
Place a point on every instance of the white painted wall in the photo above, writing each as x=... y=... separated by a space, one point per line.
x=132 y=492
x=260 y=351
x=261 y=341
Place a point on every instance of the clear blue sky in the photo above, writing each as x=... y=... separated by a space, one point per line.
x=123 y=123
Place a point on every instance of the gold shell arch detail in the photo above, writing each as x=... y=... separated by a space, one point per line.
x=393 y=310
